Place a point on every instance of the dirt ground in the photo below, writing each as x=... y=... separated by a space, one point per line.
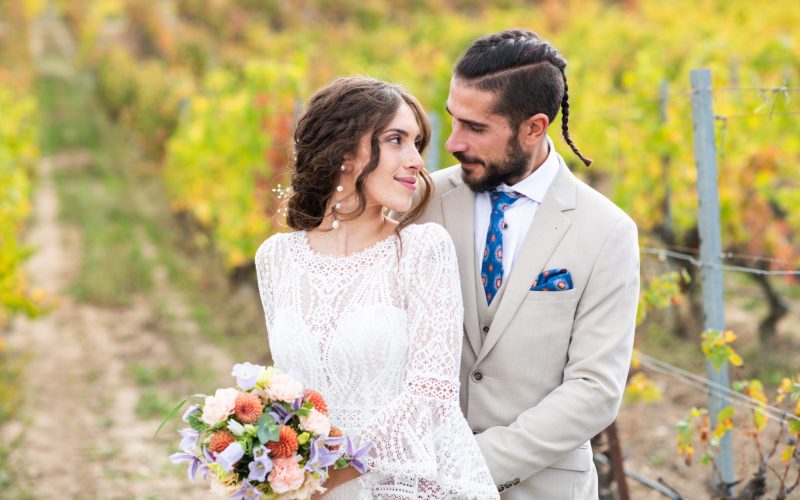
x=78 y=435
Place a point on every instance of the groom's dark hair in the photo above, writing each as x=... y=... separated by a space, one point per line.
x=525 y=72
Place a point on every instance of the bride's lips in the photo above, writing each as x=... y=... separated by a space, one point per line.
x=408 y=182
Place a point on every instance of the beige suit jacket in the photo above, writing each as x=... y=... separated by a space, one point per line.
x=549 y=372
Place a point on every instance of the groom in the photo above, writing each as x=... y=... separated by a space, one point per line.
x=549 y=273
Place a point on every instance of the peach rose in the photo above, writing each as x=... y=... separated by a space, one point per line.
x=219 y=406
x=316 y=423
x=284 y=388
x=286 y=475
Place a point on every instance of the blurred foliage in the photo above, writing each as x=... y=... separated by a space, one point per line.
x=215 y=142
x=18 y=154
x=628 y=69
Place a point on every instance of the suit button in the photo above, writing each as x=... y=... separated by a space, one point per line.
x=508 y=485
x=501 y=488
x=515 y=481
x=485 y=329
x=477 y=376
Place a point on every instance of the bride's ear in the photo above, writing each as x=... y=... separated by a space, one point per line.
x=348 y=163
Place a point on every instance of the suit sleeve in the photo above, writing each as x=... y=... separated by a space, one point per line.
x=597 y=365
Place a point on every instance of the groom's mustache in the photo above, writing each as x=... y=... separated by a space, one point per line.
x=461 y=157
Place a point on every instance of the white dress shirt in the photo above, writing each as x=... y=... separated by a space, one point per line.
x=518 y=216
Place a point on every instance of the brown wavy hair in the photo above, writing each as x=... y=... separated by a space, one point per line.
x=330 y=128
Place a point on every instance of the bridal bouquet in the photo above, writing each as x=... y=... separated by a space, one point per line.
x=267 y=438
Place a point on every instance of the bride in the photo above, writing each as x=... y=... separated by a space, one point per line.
x=368 y=310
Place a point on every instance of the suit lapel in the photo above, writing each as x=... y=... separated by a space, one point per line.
x=458 y=207
x=548 y=228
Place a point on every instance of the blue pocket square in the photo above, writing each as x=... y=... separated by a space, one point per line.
x=552 y=280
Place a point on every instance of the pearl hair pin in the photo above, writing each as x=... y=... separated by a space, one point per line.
x=339 y=188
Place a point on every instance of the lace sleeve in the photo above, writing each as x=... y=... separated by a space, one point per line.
x=264 y=257
x=422 y=445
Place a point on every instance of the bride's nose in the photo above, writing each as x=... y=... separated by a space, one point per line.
x=415 y=161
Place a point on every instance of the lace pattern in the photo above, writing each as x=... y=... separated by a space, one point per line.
x=379 y=334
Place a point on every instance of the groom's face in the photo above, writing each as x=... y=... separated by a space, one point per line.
x=483 y=141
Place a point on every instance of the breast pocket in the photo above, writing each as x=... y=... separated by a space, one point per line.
x=549 y=296
x=548 y=318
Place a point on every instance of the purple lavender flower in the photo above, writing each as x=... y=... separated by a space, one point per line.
x=207 y=455
x=260 y=452
x=246 y=375
x=195 y=465
x=320 y=458
x=247 y=492
x=230 y=456
x=189 y=439
x=190 y=411
x=355 y=455
x=280 y=414
x=259 y=468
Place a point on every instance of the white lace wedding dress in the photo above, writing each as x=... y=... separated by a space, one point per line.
x=379 y=334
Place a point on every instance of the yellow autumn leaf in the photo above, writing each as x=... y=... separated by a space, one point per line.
x=729 y=337
x=635 y=361
x=788 y=453
x=784 y=388
x=734 y=358
x=759 y=419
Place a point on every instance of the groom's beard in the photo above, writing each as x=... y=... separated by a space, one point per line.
x=508 y=171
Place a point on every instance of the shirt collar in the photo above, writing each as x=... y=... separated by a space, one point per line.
x=535 y=186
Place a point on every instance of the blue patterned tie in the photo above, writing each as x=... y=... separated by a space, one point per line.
x=492 y=265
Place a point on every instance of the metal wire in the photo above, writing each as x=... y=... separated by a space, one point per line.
x=663 y=253
x=702 y=383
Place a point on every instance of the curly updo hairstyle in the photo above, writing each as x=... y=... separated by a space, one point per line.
x=330 y=128
x=526 y=73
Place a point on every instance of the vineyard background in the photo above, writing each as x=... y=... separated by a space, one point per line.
x=141 y=140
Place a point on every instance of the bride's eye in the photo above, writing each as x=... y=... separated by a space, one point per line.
x=394 y=139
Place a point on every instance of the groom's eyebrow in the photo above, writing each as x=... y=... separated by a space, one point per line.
x=472 y=123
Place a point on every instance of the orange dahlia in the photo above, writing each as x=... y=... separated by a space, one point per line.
x=287 y=446
x=316 y=399
x=248 y=408
x=220 y=440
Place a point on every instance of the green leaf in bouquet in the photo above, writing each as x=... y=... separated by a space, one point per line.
x=195 y=423
x=268 y=429
x=341 y=463
x=169 y=415
x=303 y=412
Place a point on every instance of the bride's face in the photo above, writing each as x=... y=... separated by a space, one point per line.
x=393 y=182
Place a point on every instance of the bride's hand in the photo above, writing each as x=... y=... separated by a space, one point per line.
x=336 y=478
